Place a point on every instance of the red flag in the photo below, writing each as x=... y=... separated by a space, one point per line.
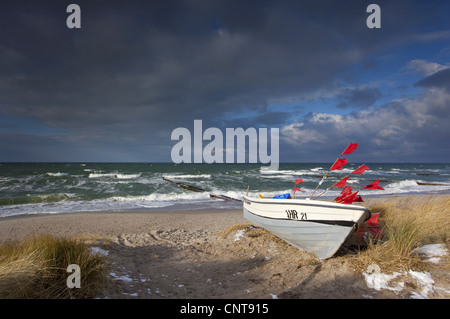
x=360 y=170
x=350 y=149
x=341 y=183
x=373 y=185
x=298 y=180
x=351 y=198
x=338 y=164
x=346 y=190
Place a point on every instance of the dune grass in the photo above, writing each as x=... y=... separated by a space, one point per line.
x=250 y=230
x=37 y=268
x=407 y=222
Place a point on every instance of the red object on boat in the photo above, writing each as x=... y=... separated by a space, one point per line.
x=369 y=227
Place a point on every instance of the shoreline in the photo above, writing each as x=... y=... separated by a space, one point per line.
x=188 y=254
x=197 y=207
x=109 y=223
x=114 y=222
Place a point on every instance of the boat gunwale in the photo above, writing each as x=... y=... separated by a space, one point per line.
x=304 y=202
x=337 y=222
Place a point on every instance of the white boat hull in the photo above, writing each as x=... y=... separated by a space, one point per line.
x=320 y=227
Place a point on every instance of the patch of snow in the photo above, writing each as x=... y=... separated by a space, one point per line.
x=122 y=278
x=433 y=252
x=425 y=283
x=378 y=280
x=239 y=234
x=98 y=250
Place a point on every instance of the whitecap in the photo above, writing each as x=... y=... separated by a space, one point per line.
x=98 y=175
x=58 y=174
x=189 y=176
x=128 y=176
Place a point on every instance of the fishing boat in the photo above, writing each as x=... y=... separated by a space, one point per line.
x=309 y=224
x=315 y=226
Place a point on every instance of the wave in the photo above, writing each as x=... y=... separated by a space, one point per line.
x=264 y=173
x=38 y=198
x=285 y=177
x=128 y=176
x=162 y=197
x=58 y=174
x=405 y=183
x=285 y=172
x=114 y=175
x=114 y=203
x=53 y=188
x=188 y=176
x=98 y=175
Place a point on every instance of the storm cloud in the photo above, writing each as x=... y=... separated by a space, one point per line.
x=404 y=130
x=116 y=88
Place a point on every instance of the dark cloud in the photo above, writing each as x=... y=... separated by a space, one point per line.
x=169 y=54
x=440 y=79
x=358 y=97
x=138 y=69
x=409 y=129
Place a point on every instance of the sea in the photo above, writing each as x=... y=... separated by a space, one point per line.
x=56 y=188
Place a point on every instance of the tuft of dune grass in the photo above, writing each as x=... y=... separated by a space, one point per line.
x=407 y=223
x=250 y=230
x=37 y=268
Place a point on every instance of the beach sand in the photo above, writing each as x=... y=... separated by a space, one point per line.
x=185 y=254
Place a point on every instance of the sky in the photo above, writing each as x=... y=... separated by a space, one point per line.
x=115 y=89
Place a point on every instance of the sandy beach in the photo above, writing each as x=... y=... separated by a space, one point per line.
x=188 y=254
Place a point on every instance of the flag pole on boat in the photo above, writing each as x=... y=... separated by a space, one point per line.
x=343 y=182
x=337 y=165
